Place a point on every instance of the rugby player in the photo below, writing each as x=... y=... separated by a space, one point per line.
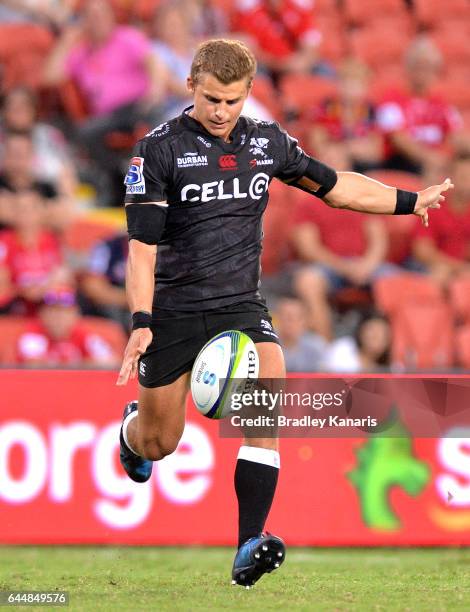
x=197 y=187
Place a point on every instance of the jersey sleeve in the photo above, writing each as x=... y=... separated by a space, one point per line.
x=147 y=177
x=294 y=160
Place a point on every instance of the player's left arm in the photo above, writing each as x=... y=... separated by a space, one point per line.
x=357 y=192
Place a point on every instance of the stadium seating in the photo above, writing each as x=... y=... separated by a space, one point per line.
x=109 y=330
x=379 y=48
x=302 y=92
x=430 y=13
x=358 y=13
x=23 y=48
x=462 y=342
x=11 y=327
x=391 y=293
x=459 y=295
x=422 y=336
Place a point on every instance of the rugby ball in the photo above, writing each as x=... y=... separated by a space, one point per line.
x=225 y=365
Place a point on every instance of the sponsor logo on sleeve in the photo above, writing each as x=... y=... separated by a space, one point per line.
x=135 y=180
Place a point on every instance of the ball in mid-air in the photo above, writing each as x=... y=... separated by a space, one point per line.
x=224 y=366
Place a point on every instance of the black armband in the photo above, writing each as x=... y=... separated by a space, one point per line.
x=319 y=173
x=406 y=201
x=145 y=222
x=141 y=319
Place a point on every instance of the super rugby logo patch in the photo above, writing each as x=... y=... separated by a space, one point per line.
x=135 y=181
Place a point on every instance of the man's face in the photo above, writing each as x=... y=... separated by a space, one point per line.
x=217 y=106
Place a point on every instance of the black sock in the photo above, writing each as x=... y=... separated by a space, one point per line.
x=255 y=484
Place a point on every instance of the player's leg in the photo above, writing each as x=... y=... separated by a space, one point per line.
x=152 y=427
x=159 y=426
x=256 y=477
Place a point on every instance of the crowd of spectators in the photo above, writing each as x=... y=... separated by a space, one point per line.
x=374 y=86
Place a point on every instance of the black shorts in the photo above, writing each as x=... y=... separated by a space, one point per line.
x=179 y=336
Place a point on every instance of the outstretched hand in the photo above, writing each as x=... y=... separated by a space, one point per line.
x=431 y=198
x=137 y=345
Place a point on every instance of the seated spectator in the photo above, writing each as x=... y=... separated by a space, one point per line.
x=57 y=337
x=30 y=256
x=17 y=173
x=207 y=19
x=174 y=46
x=52 y=159
x=443 y=248
x=104 y=281
x=338 y=249
x=367 y=351
x=418 y=124
x=349 y=118
x=303 y=350
x=116 y=73
x=282 y=34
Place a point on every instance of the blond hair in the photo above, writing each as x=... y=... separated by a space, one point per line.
x=227 y=60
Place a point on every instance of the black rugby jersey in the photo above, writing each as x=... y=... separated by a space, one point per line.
x=209 y=251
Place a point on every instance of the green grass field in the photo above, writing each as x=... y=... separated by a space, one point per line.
x=198 y=579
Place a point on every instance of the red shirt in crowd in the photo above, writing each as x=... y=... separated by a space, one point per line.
x=343 y=233
x=449 y=230
x=29 y=266
x=427 y=119
x=36 y=346
x=278 y=31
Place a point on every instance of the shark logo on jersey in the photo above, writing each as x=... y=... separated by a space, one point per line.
x=135 y=180
x=257 y=145
x=160 y=130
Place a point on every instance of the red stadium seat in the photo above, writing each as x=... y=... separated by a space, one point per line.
x=11 y=328
x=462 y=341
x=453 y=45
x=333 y=46
x=423 y=336
x=392 y=292
x=110 y=331
x=277 y=225
x=379 y=48
x=430 y=13
x=452 y=90
x=84 y=233
x=363 y=11
x=302 y=92
x=23 y=48
x=459 y=294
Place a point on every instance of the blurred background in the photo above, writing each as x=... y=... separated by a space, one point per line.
x=377 y=86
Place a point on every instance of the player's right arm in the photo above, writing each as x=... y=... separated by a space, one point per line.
x=146 y=211
x=139 y=290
